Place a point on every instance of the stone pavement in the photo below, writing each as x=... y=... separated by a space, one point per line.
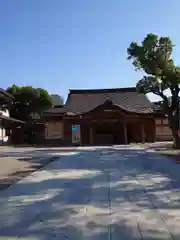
x=109 y=193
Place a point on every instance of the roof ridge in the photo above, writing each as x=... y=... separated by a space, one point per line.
x=102 y=90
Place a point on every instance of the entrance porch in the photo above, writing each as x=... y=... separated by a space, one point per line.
x=109 y=124
x=107 y=132
x=113 y=132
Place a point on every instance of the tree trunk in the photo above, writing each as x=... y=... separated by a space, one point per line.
x=174 y=120
x=176 y=139
x=174 y=126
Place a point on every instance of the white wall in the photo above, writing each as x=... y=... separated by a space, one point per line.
x=5 y=113
x=2 y=130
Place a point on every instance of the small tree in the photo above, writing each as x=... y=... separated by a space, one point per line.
x=154 y=57
x=28 y=100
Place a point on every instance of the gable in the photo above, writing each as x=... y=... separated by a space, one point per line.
x=82 y=101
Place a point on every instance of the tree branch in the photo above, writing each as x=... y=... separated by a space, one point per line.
x=164 y=97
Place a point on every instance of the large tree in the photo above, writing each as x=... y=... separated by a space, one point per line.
x=154 y=57
x=28 y=100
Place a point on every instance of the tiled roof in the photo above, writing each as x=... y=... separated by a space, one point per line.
x=55 y=110
x=82 y=101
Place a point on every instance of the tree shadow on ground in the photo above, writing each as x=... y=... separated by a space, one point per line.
x=92 y=194
x=19 y=171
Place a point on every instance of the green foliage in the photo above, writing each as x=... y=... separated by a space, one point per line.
x=28 y=100
x=154 y=57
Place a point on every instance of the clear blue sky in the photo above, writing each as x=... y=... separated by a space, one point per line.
x=65 y=44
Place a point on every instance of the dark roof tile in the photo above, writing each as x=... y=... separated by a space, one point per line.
x=82 y=101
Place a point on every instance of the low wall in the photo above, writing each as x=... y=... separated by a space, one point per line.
x=163 y=132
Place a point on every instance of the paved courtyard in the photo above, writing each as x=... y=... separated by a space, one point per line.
x=95 y=193
x=17 y=163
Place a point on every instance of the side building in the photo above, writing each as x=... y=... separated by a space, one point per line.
x=7 y=123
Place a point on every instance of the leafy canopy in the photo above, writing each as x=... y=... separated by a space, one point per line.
x=154 y=57
x=28 y=100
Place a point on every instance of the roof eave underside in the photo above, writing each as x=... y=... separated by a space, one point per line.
x=2 y=117
x=120 y=108
x=66 y=111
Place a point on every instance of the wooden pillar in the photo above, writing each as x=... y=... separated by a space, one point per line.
x=125 y=132
x=80 y=134
x=91 y=135
x=142 y=133
x=154 y=130
x=1 y=130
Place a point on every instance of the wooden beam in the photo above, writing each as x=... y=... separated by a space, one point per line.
x=104 y=120
x=91 y=135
